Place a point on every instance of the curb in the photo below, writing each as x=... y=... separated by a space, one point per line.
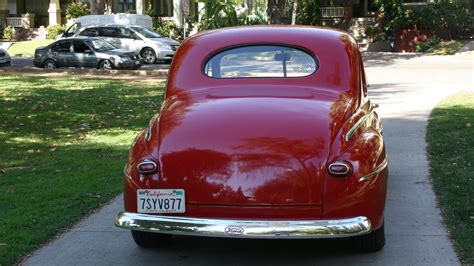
x=157 y=73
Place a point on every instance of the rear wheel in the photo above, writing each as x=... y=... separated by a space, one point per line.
x=148 y=55
x=106 y=65
x=372 y=242
x=49 y=64
x=150 y=240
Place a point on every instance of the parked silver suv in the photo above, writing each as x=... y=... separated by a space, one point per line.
x=150 y=45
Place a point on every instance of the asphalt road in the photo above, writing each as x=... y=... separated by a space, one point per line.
x=406 y=89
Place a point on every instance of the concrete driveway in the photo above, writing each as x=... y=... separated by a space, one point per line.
x=406 y=89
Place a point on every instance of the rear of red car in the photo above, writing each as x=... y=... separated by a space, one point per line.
x=261 y=139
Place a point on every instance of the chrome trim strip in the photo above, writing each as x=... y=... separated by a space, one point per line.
x=244 y=228
x=381 y=167
x=358 y=124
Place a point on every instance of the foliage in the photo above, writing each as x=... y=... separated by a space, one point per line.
x=390 y=14
x=260 y=17
x=6 y=32
x=75 y=10
x=218 y=14
x=444 y=17
x=26 y=48
x=308 y=13
x=63 y=144
x=376 y=33
x=449 y=137
x=55 y=30
x=167 y=28
x=430 y=43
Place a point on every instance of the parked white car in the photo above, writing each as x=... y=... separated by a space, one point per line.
x=5 y=59
x=150 y=45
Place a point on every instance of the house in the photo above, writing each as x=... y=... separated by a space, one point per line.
x=34 y=13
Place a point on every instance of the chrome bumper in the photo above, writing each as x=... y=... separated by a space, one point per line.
x=244 y=228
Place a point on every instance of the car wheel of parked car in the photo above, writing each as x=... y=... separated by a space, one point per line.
x=372 y=242
x=106 y=65
x=150 y=240
x=50 y=64
x=148 y=55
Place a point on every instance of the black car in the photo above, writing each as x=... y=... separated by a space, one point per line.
x=85 y=52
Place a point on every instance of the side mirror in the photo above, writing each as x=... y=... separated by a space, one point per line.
x=375 y=105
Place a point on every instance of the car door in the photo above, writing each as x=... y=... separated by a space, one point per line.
x=110 y=34
x=61 y=52
x=129 y=40
x=84 y=56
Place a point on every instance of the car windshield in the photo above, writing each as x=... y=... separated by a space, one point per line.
x=101 y=45
x=146 y=32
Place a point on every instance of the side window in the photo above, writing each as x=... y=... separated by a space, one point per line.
x=80 y=47
x=91 y=32
x=62 y=47
x=126 y=33
x=108 y=32
x=71 y=30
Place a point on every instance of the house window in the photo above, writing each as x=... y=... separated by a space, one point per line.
x=127 y=6
x=163 y=8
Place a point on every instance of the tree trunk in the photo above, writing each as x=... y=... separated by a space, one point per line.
x=97 y=7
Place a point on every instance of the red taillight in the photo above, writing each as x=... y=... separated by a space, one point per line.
x=147 y=167
x=339 y=168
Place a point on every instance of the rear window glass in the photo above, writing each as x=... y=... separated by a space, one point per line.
x=261 y=61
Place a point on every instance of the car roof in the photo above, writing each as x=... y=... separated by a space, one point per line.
x=336 y=51
x=113 y=26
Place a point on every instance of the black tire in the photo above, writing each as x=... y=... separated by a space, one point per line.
x=106 y=65
x=372 y=242
x=50 y=64
x=148 y=55
x=150 y=240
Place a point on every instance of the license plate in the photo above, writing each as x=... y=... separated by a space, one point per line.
x=160 y=201
x=137 y=62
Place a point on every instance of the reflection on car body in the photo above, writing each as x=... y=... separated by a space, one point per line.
x=85 y=52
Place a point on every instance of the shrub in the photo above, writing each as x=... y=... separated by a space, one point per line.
x=55 y=30
x=75 y=10
x=430 y=43
x=444 y=17
x=167 y=28
x=6 y=32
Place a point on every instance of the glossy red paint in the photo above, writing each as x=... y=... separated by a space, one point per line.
x=259 y=148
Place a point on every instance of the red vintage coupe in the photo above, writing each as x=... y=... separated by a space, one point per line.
x=265 y=132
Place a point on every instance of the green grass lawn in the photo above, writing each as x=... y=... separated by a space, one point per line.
x=63 y=144
x=451 y=153
x=27 y=48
